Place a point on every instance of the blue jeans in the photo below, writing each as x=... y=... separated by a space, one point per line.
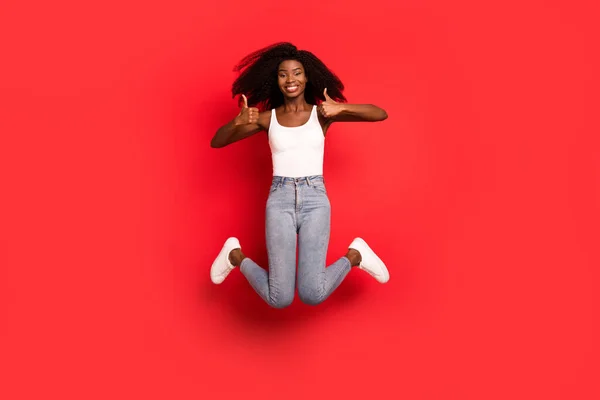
x=298 y=211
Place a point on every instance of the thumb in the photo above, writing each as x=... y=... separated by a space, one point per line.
x=245 y=104
x=327 y=98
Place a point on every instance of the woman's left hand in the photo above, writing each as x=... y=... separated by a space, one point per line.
x=330 y=108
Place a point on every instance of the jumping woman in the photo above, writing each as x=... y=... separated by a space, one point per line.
x=294 y=97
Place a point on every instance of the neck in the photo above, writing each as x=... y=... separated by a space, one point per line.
x=295 y=105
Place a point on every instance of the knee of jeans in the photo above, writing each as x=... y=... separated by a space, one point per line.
x=282 y=301
x=310 y=295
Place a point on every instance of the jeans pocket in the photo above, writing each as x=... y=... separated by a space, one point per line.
x=274 y=187
x=319 y=187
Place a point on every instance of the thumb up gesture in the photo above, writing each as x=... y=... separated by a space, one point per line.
x=329 y=108
x=247 y=115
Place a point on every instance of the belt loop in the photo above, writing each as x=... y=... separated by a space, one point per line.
x=308 y=181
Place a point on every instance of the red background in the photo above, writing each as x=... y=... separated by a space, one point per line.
x=481 y=192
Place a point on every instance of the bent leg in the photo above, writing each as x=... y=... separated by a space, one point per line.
x=316 y=281
x=276 y=287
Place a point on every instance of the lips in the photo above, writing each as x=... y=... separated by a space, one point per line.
x=291 y=88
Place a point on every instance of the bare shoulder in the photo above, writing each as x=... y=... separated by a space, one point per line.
x=264 y=119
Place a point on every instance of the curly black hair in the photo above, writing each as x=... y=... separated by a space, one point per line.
x=258 y=77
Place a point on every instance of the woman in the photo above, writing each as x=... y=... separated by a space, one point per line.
x=299 y=99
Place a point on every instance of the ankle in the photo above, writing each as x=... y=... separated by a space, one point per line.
x=236 y=257
x=354 y=257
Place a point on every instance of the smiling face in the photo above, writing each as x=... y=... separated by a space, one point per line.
x=291 y=78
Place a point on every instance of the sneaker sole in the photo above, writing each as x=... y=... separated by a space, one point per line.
x=223 y=257
x=386 y=274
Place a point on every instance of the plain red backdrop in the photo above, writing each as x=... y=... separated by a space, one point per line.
x=481 y=192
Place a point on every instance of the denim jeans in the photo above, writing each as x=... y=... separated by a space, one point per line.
x=298 y=212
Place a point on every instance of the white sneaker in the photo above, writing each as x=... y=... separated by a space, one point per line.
x=369 y=261
x=222 y=266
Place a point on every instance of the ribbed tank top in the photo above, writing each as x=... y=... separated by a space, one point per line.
x=297 y=151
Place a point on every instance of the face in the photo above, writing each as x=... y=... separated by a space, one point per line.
x=291 y=78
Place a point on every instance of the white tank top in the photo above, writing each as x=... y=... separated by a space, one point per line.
x=297 y=151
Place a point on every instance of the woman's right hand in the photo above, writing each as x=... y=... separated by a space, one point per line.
x=243 y=125
x=247 y=115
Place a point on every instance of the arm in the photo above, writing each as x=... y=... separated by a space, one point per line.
x=232 y=132
x=248 y=122
x=359 y=113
